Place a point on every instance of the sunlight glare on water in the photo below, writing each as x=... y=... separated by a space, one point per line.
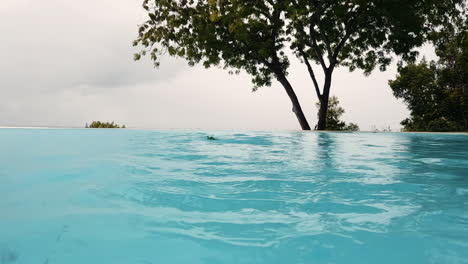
x=79 y=196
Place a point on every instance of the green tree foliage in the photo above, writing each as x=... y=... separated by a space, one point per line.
x=436 y=92
x=258 y=36
x=352 y=127
x=99 y=124
x=335 y=111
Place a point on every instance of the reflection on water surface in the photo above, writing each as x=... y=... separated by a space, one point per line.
x=129 y=196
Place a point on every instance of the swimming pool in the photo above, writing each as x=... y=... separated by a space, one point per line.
x=134 y=196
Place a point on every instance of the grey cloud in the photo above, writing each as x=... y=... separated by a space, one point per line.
x=50 y=45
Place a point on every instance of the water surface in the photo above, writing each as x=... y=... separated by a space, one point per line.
x=79 y=196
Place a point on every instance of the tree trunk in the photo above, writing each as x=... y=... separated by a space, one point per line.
x=322 y=115
x=295 y=102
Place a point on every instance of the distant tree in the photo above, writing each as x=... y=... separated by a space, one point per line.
x=99 y=124
x=335 y=111
x=436 y=92
x=254 y=36
x=352 y=127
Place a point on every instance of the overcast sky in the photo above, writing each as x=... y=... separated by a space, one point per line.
x=68 y=62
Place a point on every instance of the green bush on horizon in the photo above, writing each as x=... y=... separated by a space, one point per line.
x=334 y=114
x=99 y=124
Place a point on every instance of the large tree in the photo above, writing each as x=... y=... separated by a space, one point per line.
x=259 y=36
x=436 y=92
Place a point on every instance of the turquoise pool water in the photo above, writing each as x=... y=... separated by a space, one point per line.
x=76 y=196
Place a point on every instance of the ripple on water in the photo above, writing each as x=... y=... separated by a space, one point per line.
x=247 y=197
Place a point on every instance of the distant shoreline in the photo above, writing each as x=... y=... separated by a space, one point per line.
x=248 y=130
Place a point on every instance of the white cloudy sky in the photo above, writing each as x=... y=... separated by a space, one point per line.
x=68 y=62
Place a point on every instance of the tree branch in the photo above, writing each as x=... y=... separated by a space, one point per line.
x=312 y=75
x=327 y=45
x=338 y=48
x=317 y=50
x=353 y=28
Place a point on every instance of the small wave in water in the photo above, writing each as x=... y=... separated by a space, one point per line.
x=130 y=196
